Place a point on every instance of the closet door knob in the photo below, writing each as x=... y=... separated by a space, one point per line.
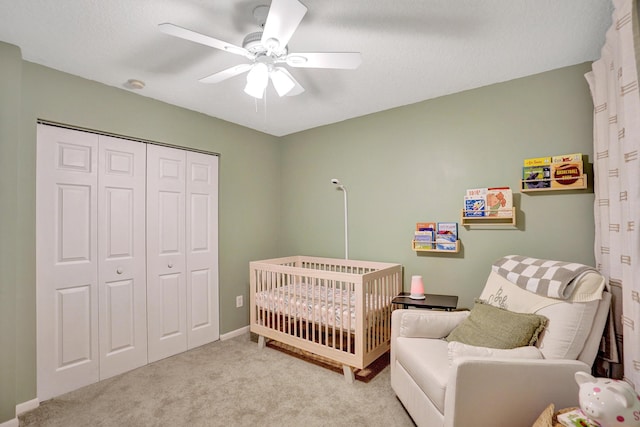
x=119 y=270
x=170 y=265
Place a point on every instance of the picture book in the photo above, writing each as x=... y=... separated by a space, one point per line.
x=499 y=202
x=567 y=158
x=422 y=226
x=480 y=192
x=423 y=239
x=446 y=241
x=475 y=202
x=474 y=206
x=536 y=176
x=423 y=236
x=422 y=245
x=448 y=228
x=537 y=161
x=567 y=174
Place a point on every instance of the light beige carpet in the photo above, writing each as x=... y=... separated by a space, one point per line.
x=226 y=383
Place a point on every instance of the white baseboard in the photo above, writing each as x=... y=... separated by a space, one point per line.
x=230 y=335
x=23 y=407
x=11 y=423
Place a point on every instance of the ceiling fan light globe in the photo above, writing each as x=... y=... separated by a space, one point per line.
x=281 y=82
x=259 y=74
x=257 y=80
x=254 y=91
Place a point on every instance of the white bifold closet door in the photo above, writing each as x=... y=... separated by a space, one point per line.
x=90 y=250
x=122 y=295
x=182 y=252
x=127 y=255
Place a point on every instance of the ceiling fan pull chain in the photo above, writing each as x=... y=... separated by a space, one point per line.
x=265 y=106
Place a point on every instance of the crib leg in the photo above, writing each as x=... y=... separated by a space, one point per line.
x=348 y=374
x=261 y=342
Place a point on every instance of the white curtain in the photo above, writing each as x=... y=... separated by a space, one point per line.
x=616 y=99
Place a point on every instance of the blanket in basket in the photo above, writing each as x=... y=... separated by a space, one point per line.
x=554 y=279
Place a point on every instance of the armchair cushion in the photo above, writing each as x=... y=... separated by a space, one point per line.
x=569 y=321
x=489 y=326
x=458 y=349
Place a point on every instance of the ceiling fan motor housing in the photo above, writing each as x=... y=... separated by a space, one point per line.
x=253 y=43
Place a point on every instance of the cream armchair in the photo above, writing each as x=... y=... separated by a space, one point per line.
x=442 y=383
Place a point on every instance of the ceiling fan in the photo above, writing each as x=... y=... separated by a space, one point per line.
x=268 y=52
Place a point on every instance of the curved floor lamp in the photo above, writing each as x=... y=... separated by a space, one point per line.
x=346 y=216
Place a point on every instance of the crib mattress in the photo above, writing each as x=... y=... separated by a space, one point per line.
x=318 y=304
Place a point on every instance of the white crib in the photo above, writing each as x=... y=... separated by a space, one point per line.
x=335 y=308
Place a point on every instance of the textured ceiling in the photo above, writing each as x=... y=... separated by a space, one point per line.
x=412 y=50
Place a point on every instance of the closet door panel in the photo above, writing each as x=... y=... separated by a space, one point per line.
x=201 y=309
x=66 y=253
x=73 y=309
x=166 y=282
x=202 y=249
x=170 y=299
x=122 y=254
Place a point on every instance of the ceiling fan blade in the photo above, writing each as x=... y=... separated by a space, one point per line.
x=342 y=60
x=226 y=74
x=183 y=33
x=297 y=87
x=283 y=19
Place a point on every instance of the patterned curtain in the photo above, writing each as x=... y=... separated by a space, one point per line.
x=616 y=99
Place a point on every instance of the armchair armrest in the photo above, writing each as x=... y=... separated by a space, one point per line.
x=509 y=392
x=424 y=323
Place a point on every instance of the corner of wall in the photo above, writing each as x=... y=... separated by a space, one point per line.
x=10 y=110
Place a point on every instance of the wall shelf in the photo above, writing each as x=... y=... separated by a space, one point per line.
x=497 y=221
x=580 y=184
x=434 y=249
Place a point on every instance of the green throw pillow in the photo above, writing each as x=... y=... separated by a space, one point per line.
x=489 y=326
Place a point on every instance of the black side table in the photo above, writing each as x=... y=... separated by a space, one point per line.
x=431 y=301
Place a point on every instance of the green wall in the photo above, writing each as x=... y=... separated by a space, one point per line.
x=400 y=166
x=414 y=163
x=10 y=77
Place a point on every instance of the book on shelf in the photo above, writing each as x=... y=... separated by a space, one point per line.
x=537 y=161
x=536 y=176
x=474 y=206
x=425 y=236
x=448 y=228
x=422 y=245
x=475 y=202
x=567 y=171
x=446 y=236
x=423 y=239
x=499 y=202
x=424 y=226
x=564 y=158
x=446 y=241
x=481 y=192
